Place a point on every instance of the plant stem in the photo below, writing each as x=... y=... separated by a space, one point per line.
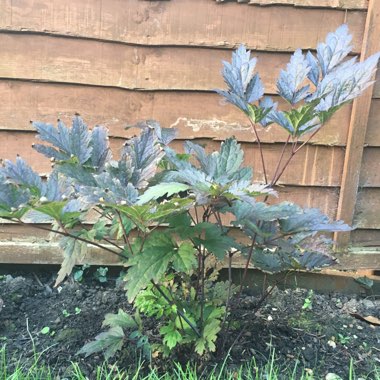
x=179 y=312
x=228 y=300
x=250 y=252
x=260 y=149
x=125 y=235
x=72 y=236
x=280 y=160
x=295 y=150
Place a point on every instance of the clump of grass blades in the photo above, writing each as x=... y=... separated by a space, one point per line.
x=247 y=371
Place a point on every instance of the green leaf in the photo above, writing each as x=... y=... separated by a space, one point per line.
x=271 y=261
x=300 y=117
x=185 y=260
x=150 y=265
x=73 y=250
x=213 y=239
x=16 y=214
x=171 y=335
x=209 y=337
x=121 y=319
x=100 y=229
x=108 y=342
x=56 y=211
x=168 y=188
x=52 y=209
x=45 y=330
x=230 y=158
x=181 y=225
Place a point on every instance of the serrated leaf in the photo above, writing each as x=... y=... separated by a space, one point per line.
x=73 y=250
x=149 y=265
x=244 y=86
x=142 y=154
x=213 y=239
x=100 y=148
x=108 y=342
x=165 y=188
x=171 y=336
x=291 y=80
x=185 y=259
x=74 y=142
x=164 y=135
x=21 y=173
x=209 y=337
x=121 y=319
x=312 y=260
x=311 y=220
x=336 y=47
x=271 y=261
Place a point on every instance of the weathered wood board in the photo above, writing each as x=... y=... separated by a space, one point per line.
x=49 y=253
x=365 y=238
x=345 y=4
x=367 y=212
x=373 y=127
x=193 y=114
x=370 y=169
x=168 y=22
x=69 y=60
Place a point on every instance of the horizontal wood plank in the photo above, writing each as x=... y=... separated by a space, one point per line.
x=370 y=169
x=194 y=115
x=183 y=23
x=343 y=4
x=367 y=213
x=365 y=238
x=49 y=253
x=312 y=166
x=45 y=58
x=373 y=128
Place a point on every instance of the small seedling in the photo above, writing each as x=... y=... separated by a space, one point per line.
x=45 y=330
x=79 y=272
x=77 y=310
x=65 y=313
x=101 y=274
x=308 y=302
x=342 y=339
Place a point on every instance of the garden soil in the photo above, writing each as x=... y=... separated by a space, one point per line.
x=324 y=337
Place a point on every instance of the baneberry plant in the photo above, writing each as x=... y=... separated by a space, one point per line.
x=172 y=218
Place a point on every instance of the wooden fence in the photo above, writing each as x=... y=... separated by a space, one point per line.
x=119 y=61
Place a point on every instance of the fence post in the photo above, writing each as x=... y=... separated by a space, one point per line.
x=357 y=129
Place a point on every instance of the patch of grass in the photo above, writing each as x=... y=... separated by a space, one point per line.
x=248 y=371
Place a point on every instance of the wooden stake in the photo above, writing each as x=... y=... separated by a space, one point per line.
x=357 y=129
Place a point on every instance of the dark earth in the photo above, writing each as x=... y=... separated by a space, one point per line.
x=324 y=337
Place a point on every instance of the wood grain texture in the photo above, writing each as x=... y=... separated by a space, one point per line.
x=49 y=253
x=370 y=170
x=312 y=166
x=367 y=212
x=365 y=238
x=358 y=125
x=343 y=4
x=67 y=60
x=182 y=22
x=194 y=115
x=373 y=128
x=376 y=90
